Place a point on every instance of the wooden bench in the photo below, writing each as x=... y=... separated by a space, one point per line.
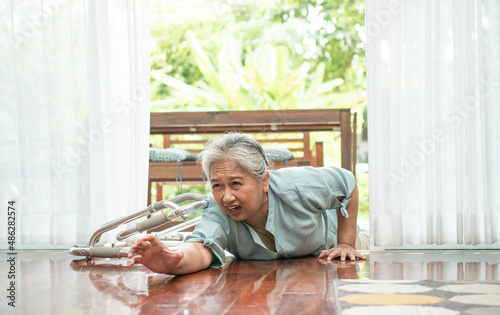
x=295 y=122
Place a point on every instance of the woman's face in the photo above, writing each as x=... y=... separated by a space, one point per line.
x=238 y=193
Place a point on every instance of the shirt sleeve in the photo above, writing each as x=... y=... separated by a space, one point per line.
x=341 y=183
x=212 y=231
x=320 y=187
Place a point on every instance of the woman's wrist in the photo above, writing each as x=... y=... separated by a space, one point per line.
x=345 y=243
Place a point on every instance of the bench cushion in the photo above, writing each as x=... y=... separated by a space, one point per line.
x=278 y=154
x=272 y=154
x=170 y=155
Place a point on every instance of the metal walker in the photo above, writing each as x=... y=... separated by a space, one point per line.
x=94 y=249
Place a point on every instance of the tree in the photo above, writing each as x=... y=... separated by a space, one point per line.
x=332 y=29
x=313 y=35
x=264 y=80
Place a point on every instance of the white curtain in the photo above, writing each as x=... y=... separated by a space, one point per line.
x=74 y=116
x=434 y=122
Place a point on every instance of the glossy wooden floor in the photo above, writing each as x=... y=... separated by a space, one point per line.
x=54 y=282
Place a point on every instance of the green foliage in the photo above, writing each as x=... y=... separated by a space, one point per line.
x=263 y=81
x=332 y=35
x=363 y=200
x=255 y=54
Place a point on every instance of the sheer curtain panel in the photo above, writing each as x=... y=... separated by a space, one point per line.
x=434 y=123
x=74 y=116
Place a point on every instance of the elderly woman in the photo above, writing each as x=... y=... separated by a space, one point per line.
x=258 y=214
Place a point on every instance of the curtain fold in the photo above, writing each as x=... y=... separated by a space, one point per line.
x=75 y=113
x=434 y=95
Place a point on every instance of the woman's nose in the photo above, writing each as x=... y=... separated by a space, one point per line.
x=228 y=196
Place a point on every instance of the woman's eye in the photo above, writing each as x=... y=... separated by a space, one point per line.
x=215 y=186
x=236 y=183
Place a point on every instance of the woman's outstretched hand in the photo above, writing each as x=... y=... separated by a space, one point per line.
x=154 y=255
x=343 y=251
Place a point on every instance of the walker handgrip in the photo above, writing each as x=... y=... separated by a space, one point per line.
x=152 y=222
x=105 y=252
x=160 y=205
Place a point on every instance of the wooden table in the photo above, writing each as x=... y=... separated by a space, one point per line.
x=264 y=121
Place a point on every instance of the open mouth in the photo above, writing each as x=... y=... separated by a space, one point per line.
x=234 y=208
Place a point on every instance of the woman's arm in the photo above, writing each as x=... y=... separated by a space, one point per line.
x=152 y=253
x=346 y=233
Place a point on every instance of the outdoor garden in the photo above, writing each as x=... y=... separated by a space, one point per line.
x=236 y=55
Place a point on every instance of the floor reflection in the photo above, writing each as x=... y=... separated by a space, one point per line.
x=240 y=285
x=53 y=282
x=435 y=265
x=139 y=288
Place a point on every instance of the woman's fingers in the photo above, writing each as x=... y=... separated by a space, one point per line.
x=136 y=260
x=342 y=252
x=360 y=256
x=139 y=246
x=336 y=253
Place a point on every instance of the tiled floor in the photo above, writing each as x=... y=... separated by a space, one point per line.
x=54 y=282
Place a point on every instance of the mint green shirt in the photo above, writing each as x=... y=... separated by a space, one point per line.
x=301 y=216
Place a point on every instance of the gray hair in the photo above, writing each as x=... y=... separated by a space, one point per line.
x=238 y=147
